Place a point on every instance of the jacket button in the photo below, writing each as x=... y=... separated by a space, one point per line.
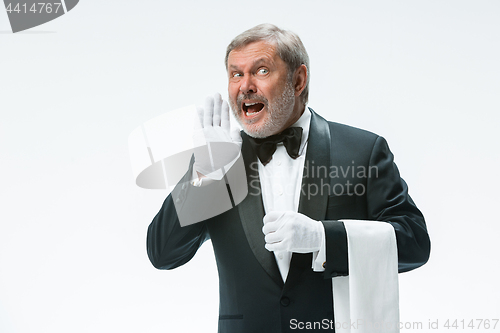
x=285 y=301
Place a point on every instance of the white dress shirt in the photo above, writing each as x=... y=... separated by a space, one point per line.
x=281 y=181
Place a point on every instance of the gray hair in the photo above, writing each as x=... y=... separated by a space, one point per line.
x=288 y=45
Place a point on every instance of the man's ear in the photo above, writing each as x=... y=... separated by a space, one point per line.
x=300 y=79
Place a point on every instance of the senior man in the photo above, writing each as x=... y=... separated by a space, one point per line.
x=278 y=250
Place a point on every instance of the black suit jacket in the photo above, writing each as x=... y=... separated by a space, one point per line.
x=349 y=174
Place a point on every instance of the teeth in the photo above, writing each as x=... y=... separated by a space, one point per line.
x=250 y=104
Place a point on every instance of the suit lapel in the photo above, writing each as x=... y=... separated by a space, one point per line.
x=251 y=209
x=251 y=212
x=317 y=160
x=314 y=206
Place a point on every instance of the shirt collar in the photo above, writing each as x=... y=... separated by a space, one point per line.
x=304 y=122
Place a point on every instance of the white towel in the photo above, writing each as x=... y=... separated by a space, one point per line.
x=368 y=299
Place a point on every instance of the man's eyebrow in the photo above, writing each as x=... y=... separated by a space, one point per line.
x=259 y=61
x=255 y=63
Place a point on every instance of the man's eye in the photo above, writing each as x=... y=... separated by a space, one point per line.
x=237 y=75
x=263 y=71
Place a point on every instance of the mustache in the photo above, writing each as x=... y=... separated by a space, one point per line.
x=253 y=97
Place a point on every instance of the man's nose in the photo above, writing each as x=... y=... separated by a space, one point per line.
x=247 y=85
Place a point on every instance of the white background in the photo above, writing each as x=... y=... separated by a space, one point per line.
x=423 y=74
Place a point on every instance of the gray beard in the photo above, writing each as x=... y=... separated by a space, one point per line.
x=279 y=112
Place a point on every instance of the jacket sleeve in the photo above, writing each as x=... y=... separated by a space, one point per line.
x=387 y=200
x=168 y=244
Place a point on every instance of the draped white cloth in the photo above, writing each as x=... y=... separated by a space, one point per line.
x=368 y=299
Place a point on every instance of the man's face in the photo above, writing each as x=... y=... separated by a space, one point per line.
x=261 y=94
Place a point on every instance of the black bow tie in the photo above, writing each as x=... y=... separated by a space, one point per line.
x=265 y=147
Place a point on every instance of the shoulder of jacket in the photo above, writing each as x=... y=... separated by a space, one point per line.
x=337 y=129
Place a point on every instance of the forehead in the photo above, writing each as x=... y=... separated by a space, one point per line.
x=248 y=54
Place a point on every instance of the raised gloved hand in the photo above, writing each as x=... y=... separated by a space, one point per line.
x=292 y=232
x=219 y=145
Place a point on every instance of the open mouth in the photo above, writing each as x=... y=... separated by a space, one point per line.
x=252 y=108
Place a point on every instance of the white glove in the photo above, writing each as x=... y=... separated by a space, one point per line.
x=219 y=145
x=292 y=232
